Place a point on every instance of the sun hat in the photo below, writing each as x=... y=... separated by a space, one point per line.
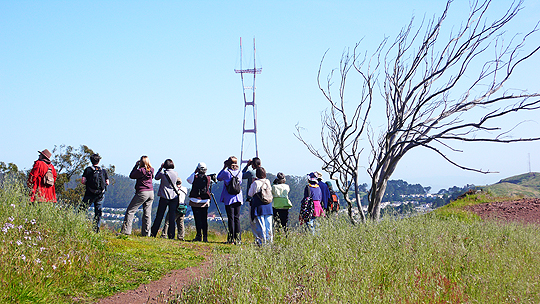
x=46 y=153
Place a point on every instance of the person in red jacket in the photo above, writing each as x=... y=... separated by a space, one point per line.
x=41 y=179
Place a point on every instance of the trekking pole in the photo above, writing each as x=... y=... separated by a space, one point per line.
x=217 y=207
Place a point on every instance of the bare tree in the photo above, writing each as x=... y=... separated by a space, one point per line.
x=340 y=134
x=430 y=83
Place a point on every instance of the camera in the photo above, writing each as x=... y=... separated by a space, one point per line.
x=213 y=177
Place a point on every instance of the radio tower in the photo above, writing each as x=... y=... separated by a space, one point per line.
x=248 y=129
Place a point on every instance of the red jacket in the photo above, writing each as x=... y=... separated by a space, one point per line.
x=35 y=181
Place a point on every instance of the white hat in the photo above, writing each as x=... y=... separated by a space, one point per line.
x=201 y=166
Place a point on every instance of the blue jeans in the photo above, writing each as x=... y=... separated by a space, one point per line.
x=97 y=200
x=313 y=226
x=262 y=229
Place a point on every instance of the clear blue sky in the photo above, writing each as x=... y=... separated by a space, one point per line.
x=129 y=78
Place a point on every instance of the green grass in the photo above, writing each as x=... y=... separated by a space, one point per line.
x=523 y=185
x=49 y=254
x=513 y=190
x=432 y=258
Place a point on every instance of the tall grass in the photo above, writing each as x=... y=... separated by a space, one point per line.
x=50 y=254
x=41 y=246
x=424 y=259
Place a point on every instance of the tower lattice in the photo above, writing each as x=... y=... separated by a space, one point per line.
x=248 y=129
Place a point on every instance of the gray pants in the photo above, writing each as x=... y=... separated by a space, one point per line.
x=144 y=198
x=179 y=225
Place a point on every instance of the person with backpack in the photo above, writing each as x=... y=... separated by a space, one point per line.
x=168 y=197
x=311 y=207
x=231 y=197
x=333 y=200
x=41 y=179
x=324 y=190
x=96 y=181
x=261 y=208
x=180 y=212
x=281 y=203
x=199 y=200
x=143 y=174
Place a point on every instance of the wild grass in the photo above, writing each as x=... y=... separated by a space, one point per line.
x=423 y=259
x=49 y=254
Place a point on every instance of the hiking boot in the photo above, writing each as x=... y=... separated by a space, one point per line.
x=197 y=239
x=205 y=239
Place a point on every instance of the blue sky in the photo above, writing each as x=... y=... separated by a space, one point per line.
x=157 y=78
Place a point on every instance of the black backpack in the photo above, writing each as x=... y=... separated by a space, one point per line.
x=201 y=187
x=96 y=184
x=234 y=187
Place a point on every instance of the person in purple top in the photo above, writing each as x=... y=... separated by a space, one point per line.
x=143 y=173
x=232 y=201
x=313 y=190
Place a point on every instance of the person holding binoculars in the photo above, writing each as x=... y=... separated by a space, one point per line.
x=199 y=200
x=143 y=173
x=231 y=197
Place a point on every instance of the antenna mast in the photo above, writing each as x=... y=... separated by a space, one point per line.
x=247 y=128
x=529 y=163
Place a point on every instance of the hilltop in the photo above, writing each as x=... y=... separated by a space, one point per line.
x=523 y=185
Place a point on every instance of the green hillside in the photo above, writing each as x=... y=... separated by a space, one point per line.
x=524 y=185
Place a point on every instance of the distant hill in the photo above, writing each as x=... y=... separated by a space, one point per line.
x=524 y=185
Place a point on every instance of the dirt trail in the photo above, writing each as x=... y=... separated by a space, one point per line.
x=154 y=291
x=525 y=210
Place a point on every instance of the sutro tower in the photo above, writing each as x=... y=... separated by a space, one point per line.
x=249 y=102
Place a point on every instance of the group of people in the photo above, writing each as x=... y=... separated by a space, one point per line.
x=269 y=202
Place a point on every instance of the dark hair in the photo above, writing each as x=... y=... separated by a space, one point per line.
x=232 y=163
x=168 y=164
x=260 y=173
x=94 y=159
x=256 y=162
x=280 y=179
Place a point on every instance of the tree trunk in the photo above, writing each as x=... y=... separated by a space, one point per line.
x=378 y=187
x=358 y=202
x=376 y=196
x=349 y=208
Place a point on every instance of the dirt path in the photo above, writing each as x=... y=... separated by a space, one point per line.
x=525 y=210
x=171 y=283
